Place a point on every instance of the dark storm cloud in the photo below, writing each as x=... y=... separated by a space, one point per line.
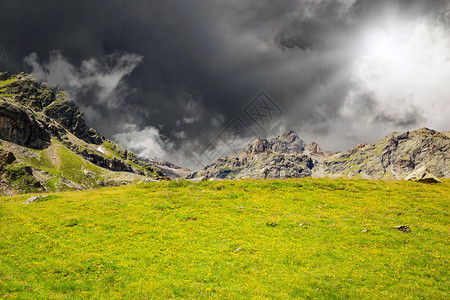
x=187 y=68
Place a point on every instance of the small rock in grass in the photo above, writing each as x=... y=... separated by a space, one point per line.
x=241 y=207
x=365 y=230
x=403 y=228
x=32 y=199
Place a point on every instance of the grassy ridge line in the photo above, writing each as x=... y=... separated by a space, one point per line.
x=231 y=239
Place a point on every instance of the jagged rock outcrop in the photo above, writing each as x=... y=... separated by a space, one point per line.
x=258 y=146
x=5 y=75
x=278 y=166
x=6 y=158
x=113 y=164
x=280 y=157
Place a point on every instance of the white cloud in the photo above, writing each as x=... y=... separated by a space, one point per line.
x=145 y=142
x=408 y=64
x=187 y=120
x=104 y=77
x=32 y=61
x=4 y=57
x=180 y=135
x=401 y=82
x=108 y=77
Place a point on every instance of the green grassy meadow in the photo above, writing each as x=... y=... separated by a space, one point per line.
x=251 y=239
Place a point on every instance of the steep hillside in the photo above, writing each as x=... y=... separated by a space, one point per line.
x=393 y=157
x=45 y=144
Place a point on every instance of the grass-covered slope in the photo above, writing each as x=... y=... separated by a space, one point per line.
x=298 y=238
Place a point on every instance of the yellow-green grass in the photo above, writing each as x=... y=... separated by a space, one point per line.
x=7 y=82
x=299 y=238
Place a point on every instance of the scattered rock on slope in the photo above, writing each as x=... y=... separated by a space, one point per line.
x=403 y=228
x=33 y=199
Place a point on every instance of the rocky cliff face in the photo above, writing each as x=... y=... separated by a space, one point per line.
x=20 y=126
x=53 y=148
x=393 y=157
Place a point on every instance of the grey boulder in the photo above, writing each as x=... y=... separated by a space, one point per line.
x=422 y=175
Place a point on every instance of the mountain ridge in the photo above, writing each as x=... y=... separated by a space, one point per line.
x=393 y=157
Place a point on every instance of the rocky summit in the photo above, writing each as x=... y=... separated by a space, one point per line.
x=45 y=144
x=286 y=156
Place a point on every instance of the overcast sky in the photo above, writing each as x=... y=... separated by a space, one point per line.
x=173 y=78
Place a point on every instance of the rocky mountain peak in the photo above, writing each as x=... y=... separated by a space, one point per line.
x=288 y=143
x=290 y=135
x=281 y=156
x=258 y=146
x=422 y=132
